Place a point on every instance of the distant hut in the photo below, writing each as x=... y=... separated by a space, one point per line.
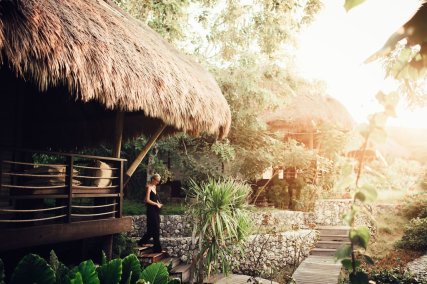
x=305 y=114
x=76 y=74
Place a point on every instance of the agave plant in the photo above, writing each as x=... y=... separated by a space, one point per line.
x=220 y=214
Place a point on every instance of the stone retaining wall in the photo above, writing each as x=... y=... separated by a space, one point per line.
x=180 y=225
x=266 y=254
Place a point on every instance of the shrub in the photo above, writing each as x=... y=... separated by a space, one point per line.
x=123 y=245
x=34 y=269
x=220 y=214
x=308 y=196
x=415 y=236
x=415 y=206
x=393 y=277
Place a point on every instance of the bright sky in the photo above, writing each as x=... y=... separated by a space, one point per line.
x=334 y=47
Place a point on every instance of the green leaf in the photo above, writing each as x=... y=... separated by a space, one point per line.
x=359 y=278
x=368 y=259
x=33 y=269
x=62 y=274
x=155 y=273
x=174 y=281
x=77 y=279
x=360 y=236
x=343 y=251
x=88 y=272
x=53 y=261
x=1 y=272
x=350 y=4
x=348 y=218
x=347 y=264
x=369 y=192
x=131 y=269
x=111 y=272
x=103 y=258
x=360 y=196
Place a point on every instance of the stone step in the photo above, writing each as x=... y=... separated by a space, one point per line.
x=333 y=230
x=171 y=262
x=152 y=257
x=338 y=238
x=182 y=272
x=323 y=251
x=330 y=244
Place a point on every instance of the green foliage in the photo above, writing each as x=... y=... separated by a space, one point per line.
x=350 y=4
x=111 y=272
x=308 y=196
x=156 y=273
x=220 y=214
x=32 y=269
x=61 y=271
x=415 y=206
x=123 y=245
x=87 y=271
x=360 y=236
x=415 y=236
x=393 y=277
x=131 y=269
x=133 y=207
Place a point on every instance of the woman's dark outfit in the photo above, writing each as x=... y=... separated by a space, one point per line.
x=153 y=224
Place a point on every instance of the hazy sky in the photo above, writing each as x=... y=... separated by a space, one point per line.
x=335 y=46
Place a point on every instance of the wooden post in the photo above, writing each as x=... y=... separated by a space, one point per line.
x=132 y=168
x=69 y=175
x=118 y=133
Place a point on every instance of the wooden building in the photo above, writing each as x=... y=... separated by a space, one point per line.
x=74 y=74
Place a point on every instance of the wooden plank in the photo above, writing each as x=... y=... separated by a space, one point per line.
x=46 y=234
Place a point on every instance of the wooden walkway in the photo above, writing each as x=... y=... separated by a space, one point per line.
x=240 y=279
x=320 y=267
x=318 y=270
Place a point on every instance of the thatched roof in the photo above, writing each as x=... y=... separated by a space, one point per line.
x=307 y=112
x=97 y=53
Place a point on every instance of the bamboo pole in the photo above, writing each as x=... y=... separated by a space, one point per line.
x=132 y=168
x=118 y=134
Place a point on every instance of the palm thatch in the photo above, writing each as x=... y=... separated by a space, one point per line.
x=307 y=112
x=95 y=53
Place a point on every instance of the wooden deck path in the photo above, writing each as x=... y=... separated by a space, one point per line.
x=320 y=267
x=240 y=279
x=318 y=270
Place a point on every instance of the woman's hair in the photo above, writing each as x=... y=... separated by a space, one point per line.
x=156 y=176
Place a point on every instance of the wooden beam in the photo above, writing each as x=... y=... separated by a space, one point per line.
x=118 y=134
x=57 y=233
x=132 y=168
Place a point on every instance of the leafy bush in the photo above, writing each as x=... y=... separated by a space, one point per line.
x=220 y=214
x=415 y=236
x=279 y=195
x=34 y=269
x=123 y=245
x=308 y=196
x=393 y=277
x=415 y=206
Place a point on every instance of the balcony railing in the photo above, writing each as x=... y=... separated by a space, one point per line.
x=64 y=188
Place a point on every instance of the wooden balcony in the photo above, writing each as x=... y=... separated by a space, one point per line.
x=70 y=197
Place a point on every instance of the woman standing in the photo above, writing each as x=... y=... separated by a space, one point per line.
x=153 y=214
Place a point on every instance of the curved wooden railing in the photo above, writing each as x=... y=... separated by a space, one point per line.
x=70 y=190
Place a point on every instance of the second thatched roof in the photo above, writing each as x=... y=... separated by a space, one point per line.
x=98 y=53
x=307 y=112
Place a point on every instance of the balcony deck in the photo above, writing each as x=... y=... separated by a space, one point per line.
x=70 y=197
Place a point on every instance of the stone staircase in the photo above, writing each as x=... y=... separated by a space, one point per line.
x=331 y=237
x=177 y=269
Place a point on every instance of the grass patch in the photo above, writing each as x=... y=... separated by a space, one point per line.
x=133 y=207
